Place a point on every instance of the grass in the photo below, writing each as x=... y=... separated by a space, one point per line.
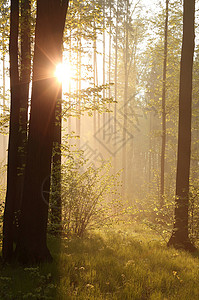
x=112 y=264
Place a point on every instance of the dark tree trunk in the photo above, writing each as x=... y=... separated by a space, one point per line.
x=10 y=202
x=180 y=238
x=18 y=119
x=162 y=172
x=4 y=86
x=31 y=244
x=24 y=82
x=24 y=89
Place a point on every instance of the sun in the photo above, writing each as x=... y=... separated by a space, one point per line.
x=63 y=73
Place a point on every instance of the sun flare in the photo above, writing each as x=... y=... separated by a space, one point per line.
x=63 y=73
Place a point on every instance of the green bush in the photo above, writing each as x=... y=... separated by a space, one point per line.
x=88 y=199
x=89 y=196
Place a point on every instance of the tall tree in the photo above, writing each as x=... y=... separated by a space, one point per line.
x=164 y=107
x=104 y=55
x=32 y=245
x=10 y=202
x=78 y=86
x=115 y=77
x=180 y=236
x=18 y=121
x=126 y=58
x=19 y=112
x=155 y=94
x=25 y=70
x=4 y=28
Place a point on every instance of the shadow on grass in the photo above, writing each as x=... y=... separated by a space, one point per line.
x=31 y=282
x=195 y=254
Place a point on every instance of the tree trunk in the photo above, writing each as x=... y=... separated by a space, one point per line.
x=31 y=245
x=24 y=79
x=115 y=77
x=110 y=59
x=10 y=202
x=69 y=89
x=94 y=75
x=25 y=70
x=124 y=149
x=162 y=172
x=104 y=60
x=4 y=90
x=78 y=92
x=180 y=238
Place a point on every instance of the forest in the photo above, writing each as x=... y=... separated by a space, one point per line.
x=99 y=159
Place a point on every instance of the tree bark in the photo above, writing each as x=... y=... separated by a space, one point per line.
x=180 y=237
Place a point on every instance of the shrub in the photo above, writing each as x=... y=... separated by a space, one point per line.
x=89 y=195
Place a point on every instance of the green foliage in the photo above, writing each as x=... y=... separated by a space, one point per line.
x=84 y=96
x=89 y=196
x=151 y=79
x=147 y=211
x=4 y=120
x=88 y=199
x=194 y=213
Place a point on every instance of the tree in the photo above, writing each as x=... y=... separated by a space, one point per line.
x=154 y=60
x=25 y=71
x=126 y=58
x=164 y=108
x=179 y=237
x=4 y=29
x=11 y=201
x=20 y=79
x=31 y=244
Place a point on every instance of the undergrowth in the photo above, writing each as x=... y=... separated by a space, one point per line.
x=111 y=264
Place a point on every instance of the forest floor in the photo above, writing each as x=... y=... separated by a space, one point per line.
x=123 y=264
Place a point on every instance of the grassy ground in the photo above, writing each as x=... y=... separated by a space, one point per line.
x=112 y=264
